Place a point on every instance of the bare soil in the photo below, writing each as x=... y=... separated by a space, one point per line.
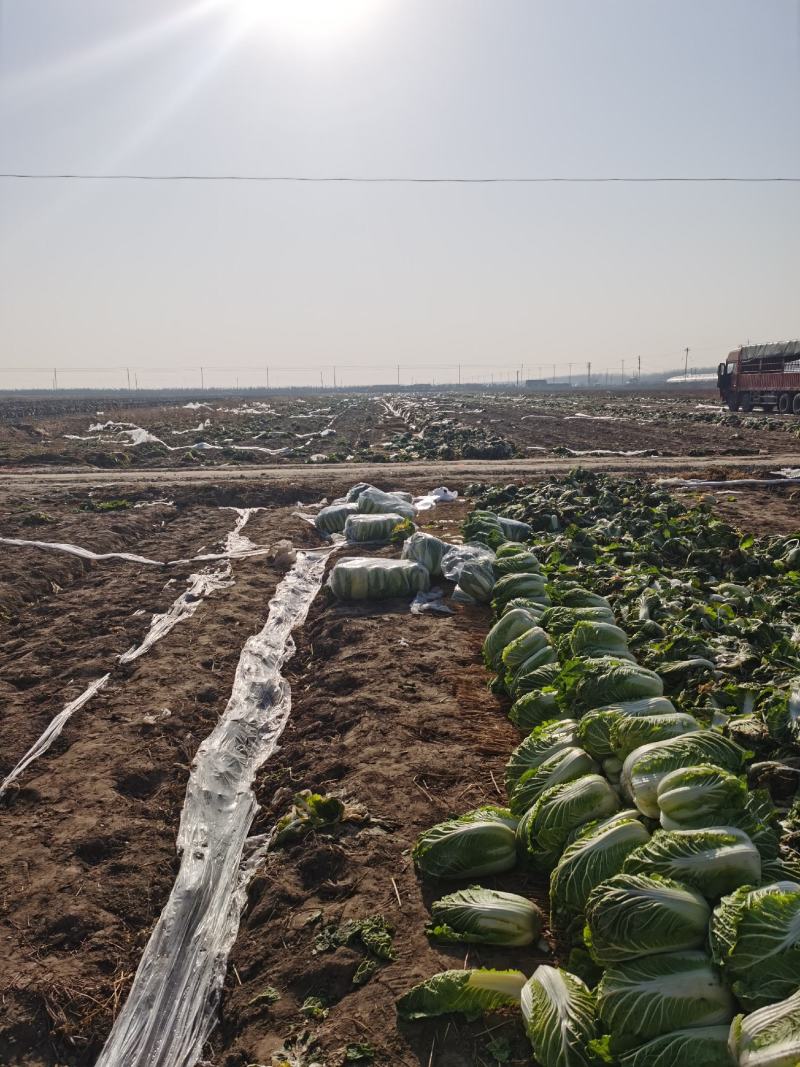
x=389 y=710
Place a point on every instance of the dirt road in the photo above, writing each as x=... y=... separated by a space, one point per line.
x=434 y=473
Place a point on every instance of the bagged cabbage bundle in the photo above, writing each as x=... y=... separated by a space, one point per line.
x=371 y=529
x=377 y=579
x=476 y=583
x=355 y=492
x=426 y=549
x=374 y=501
x=333 y=518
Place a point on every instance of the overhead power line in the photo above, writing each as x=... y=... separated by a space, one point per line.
x=363 y=180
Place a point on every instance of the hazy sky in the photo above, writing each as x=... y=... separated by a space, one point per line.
x=166 y=277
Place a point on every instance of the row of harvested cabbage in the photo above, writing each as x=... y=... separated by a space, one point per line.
x=664 y=869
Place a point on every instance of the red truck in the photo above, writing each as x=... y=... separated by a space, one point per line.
x=765 y=376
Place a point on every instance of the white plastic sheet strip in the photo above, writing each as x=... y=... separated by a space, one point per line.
x=172 y=1004
x=76 y=550
x=750 y=483
x=41 y=745
x=200 y=585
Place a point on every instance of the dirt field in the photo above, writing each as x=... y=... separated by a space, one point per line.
x=124 y=433
x=390 y=710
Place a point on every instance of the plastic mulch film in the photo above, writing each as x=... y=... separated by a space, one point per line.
x=46 y=739
x=200 y=585
x=172 y=1004
x=76 y=550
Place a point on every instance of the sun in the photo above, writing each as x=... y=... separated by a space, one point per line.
x=312 y=21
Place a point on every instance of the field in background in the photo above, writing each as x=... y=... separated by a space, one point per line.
x=361 y=428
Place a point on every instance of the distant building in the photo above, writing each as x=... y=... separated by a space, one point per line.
x=536 y=383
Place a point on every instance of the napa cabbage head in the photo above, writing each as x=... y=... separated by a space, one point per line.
x=469 y=993
x=565 y=765
x=558 y=1011
x=699 y=796
x=594 y=730
x=523 y=647
x=646 y=766
x=696 y=1046
x=534 y=709
x=593 y=639
x=628 y=732
x=715 y=860
x=537 y=746
x=633 y=915
x=512 y=625
x=481 y=916
x=514 y=585
x=477 y=843
x=769 y=1037
x=594 y=856
x=560 y=620
x=516 y=563
x=755 y=937
x=653 y=995
x=593 y=683
x=545 y=829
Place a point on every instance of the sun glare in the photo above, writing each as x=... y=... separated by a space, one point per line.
x=318 y=21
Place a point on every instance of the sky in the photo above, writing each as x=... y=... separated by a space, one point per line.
x=158 y=279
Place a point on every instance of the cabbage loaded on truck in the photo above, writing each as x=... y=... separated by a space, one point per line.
x=765 y=376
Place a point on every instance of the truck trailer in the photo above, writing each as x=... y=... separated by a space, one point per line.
x=764 y=376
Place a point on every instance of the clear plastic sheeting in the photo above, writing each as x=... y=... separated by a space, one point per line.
x=749 y=483
x=172 y=1004
x=76 y=550
x=431 y=603
x=57 y=724
x=200 y=585
x=454 y=560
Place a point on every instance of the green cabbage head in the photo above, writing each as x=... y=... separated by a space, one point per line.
x=632 y=915
x=477 y=843
x=481 y=916
x=558 y=1011
x=654 y=995
x=769 y=1037
x=469 y=993
x=755 y=937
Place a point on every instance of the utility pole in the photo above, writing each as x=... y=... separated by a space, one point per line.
x=136 y=381
x=640 y=369
x=321 y=383
x=398 y=373
x=588 y=375
x=55 y=380
x=459 y=374
x=334 y=377
x=686 y=367
x=517 y=379
x=622 y=376
x=267 y=377
x=554 y=374
x=570 y=374
x=202 y=380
